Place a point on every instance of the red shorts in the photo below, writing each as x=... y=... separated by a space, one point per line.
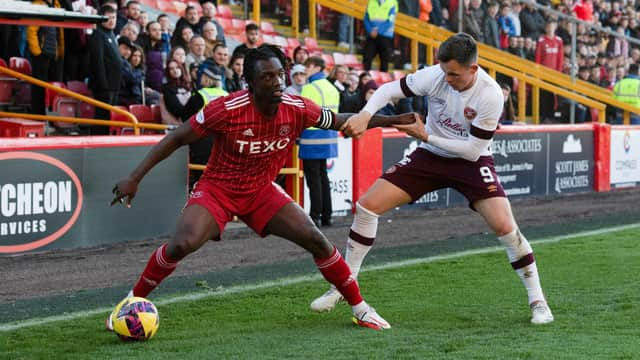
x=423 y=172
x=255 y=209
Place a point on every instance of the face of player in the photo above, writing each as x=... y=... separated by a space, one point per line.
x=269 y=81
x=459 y=77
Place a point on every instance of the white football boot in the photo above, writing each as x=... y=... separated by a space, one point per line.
x=327 y=301
x=108 y=324
x=541 y=313
x=371 y=320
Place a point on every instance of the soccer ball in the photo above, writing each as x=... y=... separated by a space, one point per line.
x=135 y=319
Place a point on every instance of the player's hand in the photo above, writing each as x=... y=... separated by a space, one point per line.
x=356 y=125
x=416 y=129
x=124 y=192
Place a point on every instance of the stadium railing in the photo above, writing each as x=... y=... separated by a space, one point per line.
x=495 y=60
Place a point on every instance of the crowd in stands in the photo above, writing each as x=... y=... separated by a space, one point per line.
x=164 y=63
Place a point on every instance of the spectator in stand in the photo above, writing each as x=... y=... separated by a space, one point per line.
x=350 y=100
x=343 y=32
x=221 y=60
x=76 y=54
x=131 y=12
x=165 y=26
x=379 y=23
x=183 y=38
x=470 y=24
x=121 y=14
x=300 y=55
x=583 y=10
x=235 y=79
x=530 y=47
x=515 y=47
x=190 y=19
x=130 y=30
x=595 y=76
x=208 y=15
x=298 y=80
x=143 y=20
x=514 y=15
x=209 y=34
x=177 y=90
x=549 y=52
x=532 y=22
x=627 y=90
x=618 y=45
x=46 y=46
x=138 y=63
x=180 y=55
x=491 y=31
x=196 y=51
x=584 y=73
x=155 y=53
x=252 y=32
x=338 y=77
x=130 y=89
x=505 y=24
x=367 y=92
x=105 y=70
x=508 y=116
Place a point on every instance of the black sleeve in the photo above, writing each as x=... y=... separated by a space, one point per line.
x=195 y=104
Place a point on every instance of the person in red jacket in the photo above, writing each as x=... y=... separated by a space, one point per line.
x=549 y=52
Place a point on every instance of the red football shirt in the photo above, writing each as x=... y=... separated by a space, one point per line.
x=249 y=149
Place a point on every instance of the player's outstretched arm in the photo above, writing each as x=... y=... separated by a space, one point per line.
x=378 y=120
x=125 y=190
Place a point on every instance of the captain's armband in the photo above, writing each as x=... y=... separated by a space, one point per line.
x=326 y=119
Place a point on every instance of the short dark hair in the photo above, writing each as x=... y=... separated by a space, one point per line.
x=107 y=9
x=262 y=52
x=162 y=15
x=460 y=47
x=251 y=27
x=315 y=60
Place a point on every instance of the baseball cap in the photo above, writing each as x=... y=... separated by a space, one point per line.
x=211 y=74
x=298 y=68
x=123 y=40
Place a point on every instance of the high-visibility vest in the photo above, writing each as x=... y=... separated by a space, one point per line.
x=380 y=12
x=210 y=94
x=627 y=90
x=318 y=143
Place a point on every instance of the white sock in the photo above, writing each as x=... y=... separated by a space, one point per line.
x=365 y=225
x=517 y=248
x=360 y=308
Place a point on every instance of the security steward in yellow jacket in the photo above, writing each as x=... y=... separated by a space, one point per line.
x=317 y=145
x=627 y=90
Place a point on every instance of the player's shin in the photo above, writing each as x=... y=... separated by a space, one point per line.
x=158 y=268
x=361 y=237
x=336 y=271
x=521 y=258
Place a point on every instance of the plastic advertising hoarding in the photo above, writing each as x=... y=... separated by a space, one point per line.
x=625 y=156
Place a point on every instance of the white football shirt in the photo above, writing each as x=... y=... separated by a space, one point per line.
x=454 y=114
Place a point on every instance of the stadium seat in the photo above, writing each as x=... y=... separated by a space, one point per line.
x=352 y=61
x=50 y=95
x=293 y=43
x=375 y=75
x=225 y=23
x=224 y=11
x=156 y=113
x=166 y=6
x=384 y=77
x=181 y=7
x=117 y=130
x=339 y=58
x=20 y=65
x=267 y=28
x=398 y=74
x=79 y=87
x=281 y=41
x=65 y=107
x=268 y=39
x=86 y=110
x=6 y=86
x=329 y=62
x=311 y=45
x=237 y=26
x=141 y=112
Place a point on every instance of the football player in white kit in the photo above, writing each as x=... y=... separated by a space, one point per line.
x=464 y=104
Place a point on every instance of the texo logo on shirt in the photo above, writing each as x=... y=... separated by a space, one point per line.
x=261 y=147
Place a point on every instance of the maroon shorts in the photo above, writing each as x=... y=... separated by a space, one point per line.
x=423 y=172
x=255 y=209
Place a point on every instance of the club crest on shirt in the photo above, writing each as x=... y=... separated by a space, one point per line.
x=284 y=130
x=469 y=113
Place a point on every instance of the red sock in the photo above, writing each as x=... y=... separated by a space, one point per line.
x=337 y=272
x=158 y=268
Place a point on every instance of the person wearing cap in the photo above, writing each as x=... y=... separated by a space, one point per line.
x=317 y=145
x=130 y=91
x=298 y=79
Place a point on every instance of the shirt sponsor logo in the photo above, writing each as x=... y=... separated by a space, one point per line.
x=261 y=147
x=452 y=126
x=248 y=132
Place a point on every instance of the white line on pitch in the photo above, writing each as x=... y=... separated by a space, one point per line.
x=304 y=278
